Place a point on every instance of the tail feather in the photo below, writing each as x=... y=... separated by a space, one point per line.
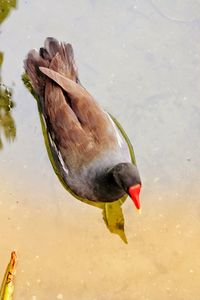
x=68 y=56
x=52 y=46
x=31 y=65
x=54 y=55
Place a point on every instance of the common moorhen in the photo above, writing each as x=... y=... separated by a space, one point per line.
x=91 y=153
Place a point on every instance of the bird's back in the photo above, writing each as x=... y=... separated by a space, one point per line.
x=82 y=135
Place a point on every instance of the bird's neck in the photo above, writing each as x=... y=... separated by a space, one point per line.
x=107 y=187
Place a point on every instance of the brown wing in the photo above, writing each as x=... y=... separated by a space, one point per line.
x=61 y=56
x=80 y=127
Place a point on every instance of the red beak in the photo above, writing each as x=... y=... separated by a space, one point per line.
x=134 y=192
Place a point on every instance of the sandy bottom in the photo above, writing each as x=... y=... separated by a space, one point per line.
x=66 y=252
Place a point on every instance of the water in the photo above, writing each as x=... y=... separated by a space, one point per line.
x=141 y=61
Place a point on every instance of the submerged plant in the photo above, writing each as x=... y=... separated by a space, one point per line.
x=5 y=7
x=7 y=123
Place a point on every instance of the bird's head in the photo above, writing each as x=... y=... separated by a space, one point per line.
x=127 y=177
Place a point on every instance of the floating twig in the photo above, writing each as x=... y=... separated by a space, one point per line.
x=7 y=286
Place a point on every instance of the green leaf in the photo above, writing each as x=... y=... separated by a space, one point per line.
x=5 y=8
x=114 y=219
x=1 y=58
x=1 y=144
x=7 y=122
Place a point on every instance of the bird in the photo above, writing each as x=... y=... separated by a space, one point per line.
x=89 y=150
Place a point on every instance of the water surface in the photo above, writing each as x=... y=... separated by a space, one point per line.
x=141 y=61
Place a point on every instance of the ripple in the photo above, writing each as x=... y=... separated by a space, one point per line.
x=183 y=11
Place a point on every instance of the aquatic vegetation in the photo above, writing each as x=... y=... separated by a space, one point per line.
x=1 y=58
x=7 y=286
x=7 y=123
x=114 y=218
x=5 y=8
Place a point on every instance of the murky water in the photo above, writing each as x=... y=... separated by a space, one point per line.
x=141 y=60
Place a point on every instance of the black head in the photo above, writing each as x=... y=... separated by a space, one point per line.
x=127 y=177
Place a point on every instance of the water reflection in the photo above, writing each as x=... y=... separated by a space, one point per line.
x=112 y=212
x=7 y=123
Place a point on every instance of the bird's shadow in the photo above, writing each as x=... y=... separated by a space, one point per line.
x=112 y=212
